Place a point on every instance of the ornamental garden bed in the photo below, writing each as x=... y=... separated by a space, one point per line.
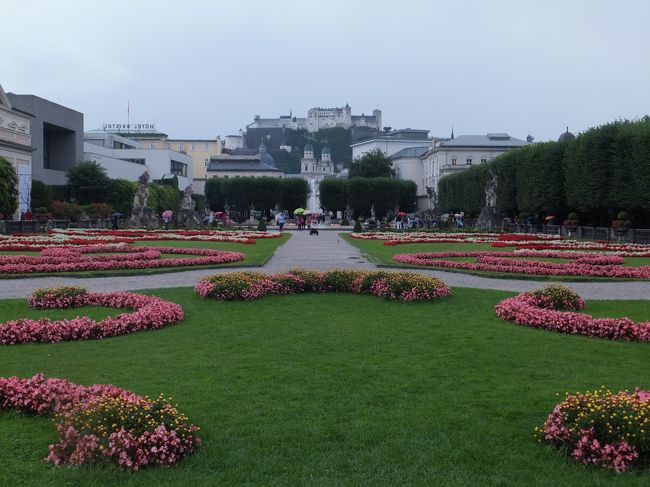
x=35 y=256
x=345 y=388
x=480 y=256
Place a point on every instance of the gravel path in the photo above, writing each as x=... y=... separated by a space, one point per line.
x=324 y=251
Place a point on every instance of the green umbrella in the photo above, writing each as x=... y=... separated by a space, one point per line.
x=298 y=211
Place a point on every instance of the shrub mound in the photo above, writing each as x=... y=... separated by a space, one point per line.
x=149 y=313
x=402 y=286
x=602 y=428
x=554 y=308
x=103 y=423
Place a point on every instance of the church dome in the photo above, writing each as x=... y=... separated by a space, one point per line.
x=267 y=159
x=262 y=148
x=326 y=150
x=566 y=136
x=309 y=148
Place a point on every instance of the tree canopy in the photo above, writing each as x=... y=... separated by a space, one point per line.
x=8 y=188
x=88 y=182
x=601 y=172
x=373 y=164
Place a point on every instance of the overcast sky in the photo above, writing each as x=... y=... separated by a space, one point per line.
x=205 y=68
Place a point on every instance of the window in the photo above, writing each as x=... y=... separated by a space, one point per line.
x=469 y=161
x=193 y=147
x=483 y=159
x=153 y=145
x=454 y=162
x=136 y=161
x=207 y=161
x=178 y=168
x=169 y=146
x=225 y=177
x=181 y=147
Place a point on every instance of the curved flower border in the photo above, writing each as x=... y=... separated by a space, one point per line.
x=149 y=313
x=402 y=286
x=534 y=309
x=581 y=264
x=163 y=441
x=74 y=258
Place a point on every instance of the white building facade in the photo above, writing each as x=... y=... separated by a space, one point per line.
x=127 y=158
x=314 y=171
x=462 y=152
x=16 y=147
x=392 y=142
x=408 y=166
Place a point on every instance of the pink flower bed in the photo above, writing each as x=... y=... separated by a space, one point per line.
x=402 y=286
x=601 y=428
x=86 y=237
x=149 y=313
x=539 y=309
x=580 y=264
x=103 y=423
x=518 y=240
x=85 y=258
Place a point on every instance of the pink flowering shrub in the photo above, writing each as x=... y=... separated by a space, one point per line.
x=403 y=286
x=149 y=313
x=103 y=423
x=601 y=428
x=544 y=308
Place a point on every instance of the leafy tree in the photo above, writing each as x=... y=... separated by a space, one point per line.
x=407 y=195
x=266 y=192
x=361 y=196
x=386 y=194
x=334 y=194
x=213 y=194
x=163 y=198
x=41 y=194
x=373 y=164
x=120 y=195
x=539 y=179
x=8 y=188
x=289 y=162
x=294 y=193
x=88 y=182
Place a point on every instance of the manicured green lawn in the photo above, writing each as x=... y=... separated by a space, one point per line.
x=256 y=255
x=338 y=390
x=379 y=253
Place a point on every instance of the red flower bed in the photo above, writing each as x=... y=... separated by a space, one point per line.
x=103 y=423
x=580 y=264
x=70 y=259
x=149 y=313
x=553 y=308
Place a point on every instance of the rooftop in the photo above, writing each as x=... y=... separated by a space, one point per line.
x=411 y=152
x=488 y=140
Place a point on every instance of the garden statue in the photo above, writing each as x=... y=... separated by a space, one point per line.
x=141 y=214
x=491 y=191
x=187 y=216
x=431 y=194
x=489 y=217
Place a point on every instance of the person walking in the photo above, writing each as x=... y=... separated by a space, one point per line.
x=281 y=221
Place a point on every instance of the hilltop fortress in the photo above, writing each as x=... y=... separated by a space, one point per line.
x=320 y=118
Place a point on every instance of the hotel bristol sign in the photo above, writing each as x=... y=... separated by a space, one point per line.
x=129 y=127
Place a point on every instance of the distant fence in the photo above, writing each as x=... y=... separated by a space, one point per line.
x=9 y=227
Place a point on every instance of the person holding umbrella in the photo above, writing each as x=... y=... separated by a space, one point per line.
x=167 y=218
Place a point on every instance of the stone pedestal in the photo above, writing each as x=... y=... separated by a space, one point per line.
x=488 y=219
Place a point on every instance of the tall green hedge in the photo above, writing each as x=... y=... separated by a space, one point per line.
x=601 y=172
x=361 y=194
